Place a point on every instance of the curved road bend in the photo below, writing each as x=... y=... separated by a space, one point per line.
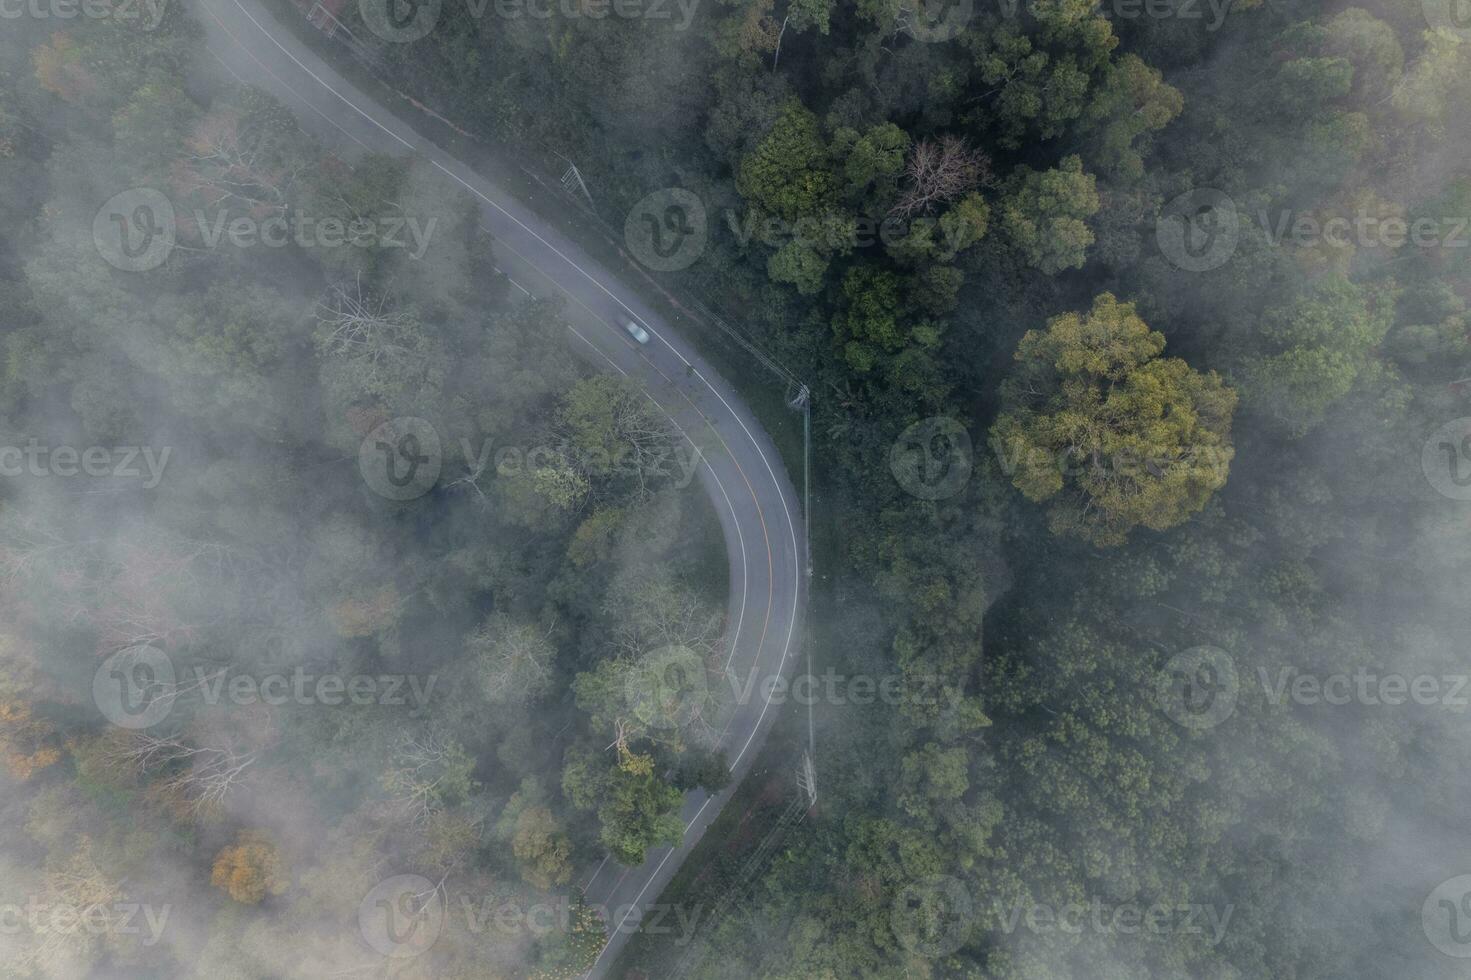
x=742 y=473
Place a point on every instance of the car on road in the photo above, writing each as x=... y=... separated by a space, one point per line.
x=635 y=329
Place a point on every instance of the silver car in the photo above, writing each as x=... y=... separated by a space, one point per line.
x=635 y=329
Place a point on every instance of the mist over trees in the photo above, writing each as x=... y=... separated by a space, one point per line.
x=326 y=674
x=1190 y=282
x=1193 y=426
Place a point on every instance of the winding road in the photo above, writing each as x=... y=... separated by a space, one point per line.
x=742 y=473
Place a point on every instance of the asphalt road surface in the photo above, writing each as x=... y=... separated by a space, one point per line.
x=742 y=473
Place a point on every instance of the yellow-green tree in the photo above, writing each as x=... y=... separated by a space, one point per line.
x=1113 y=435
x=543 y=849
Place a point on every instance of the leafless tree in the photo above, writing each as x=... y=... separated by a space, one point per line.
x=418 y=774
x=514 y=660
x=77 y=891
x=354 y=325
x=199 y=776
x=940 y=171
x=232 y=163
x=662 y=614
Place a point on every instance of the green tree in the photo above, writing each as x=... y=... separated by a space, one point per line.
x=1130 y=103
x=1114 y=435
x=1317 y=347
x=1044 y=215
x=790 y=174
x=636 y=809
x=542 y=847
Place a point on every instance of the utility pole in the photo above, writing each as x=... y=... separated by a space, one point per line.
x=572 y=181
x=807 y=778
